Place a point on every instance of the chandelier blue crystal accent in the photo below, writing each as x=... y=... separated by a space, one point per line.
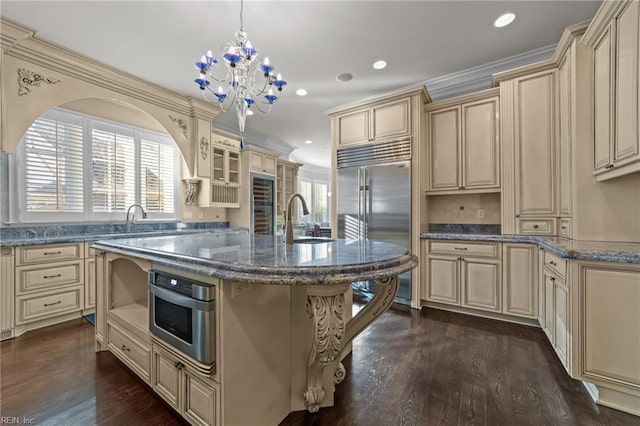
x=248 y=79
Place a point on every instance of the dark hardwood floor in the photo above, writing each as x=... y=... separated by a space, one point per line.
x=409 y=368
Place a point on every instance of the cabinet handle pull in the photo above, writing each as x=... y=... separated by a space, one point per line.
x=178 y=365
x=52 y=276
x=460 y=248
x=551 y=262
x=54 y=303
x=517 y=215
x=610 y=166
x=47 y=253
x=564 y=227
x=553 y=279
x=535 y=226
x=124 y=348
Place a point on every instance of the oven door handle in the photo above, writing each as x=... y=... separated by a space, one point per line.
x=180 y=299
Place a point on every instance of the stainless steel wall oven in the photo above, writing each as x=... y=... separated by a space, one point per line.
x=182 y=314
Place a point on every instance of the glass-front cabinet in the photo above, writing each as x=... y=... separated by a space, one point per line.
x=225 y=159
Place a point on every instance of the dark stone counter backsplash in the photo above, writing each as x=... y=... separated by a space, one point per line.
x=465 y=228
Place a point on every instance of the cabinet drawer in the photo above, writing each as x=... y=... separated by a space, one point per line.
x=45 y=277
x=555 y=263
x=49 y=253
x=39 y=306
x=565 y=228
x=465 y=248
x=133 y=353
x=537 y=226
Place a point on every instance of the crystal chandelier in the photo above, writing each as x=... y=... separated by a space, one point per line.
x=242 y=85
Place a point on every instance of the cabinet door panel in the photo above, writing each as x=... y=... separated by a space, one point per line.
x=391 y=120
x=561 y=322
x=90 y=284
x=519 y=280
x=602 y=57
x=610 y=334
x=353 y=128
x=481 y=284
x=269 y=164
x=233 y=167
x=535 y=131
x=626 y=95
x=199 y=401
x=166 y=378
x=444 y=146
x=218 y=165
x=443 y=280
x=564 y=86
x=481 y=159
x=549 y=307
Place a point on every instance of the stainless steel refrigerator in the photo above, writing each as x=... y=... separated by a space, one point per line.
x=374 y=200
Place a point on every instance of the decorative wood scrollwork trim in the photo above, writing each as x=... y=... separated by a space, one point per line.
x=204 y=148
x=182 y=124
x=28 y=78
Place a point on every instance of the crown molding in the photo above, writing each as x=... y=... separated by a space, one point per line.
x=471 y=97
x=11 y=33
x=601 y=19
x=480 y=77
x=569 y=34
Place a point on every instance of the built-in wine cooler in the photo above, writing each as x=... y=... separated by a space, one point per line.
x=262 y=204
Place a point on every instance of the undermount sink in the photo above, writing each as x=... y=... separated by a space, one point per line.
x=312 y=240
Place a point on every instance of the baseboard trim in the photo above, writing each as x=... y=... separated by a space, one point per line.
x=482 y=314
x=592 y=390
x=618 y=400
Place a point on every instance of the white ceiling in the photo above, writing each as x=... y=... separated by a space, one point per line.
x=310 y=42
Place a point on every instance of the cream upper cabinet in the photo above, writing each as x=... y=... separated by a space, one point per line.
x=464 y=145
x=225 y=162
x=378 y=122
x=616 y=61
x=444 y=149
x=263 y=163
x=535 y=131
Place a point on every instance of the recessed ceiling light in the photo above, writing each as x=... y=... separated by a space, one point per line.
x=380 y=64
x=504 y=20
x=344 y=77
x=301 y=92
x=249 y=112
x=308 y=142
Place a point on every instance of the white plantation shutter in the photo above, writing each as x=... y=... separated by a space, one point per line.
x=75 y=167
x=157 y=163
x=113 y=186
x=53 y=167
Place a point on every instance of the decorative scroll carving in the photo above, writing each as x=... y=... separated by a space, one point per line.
x=327 y=313
x=182 y=124
x=331 y=334
x=340 y=374
x=193 y=185
x=27 y=78
x=204 y=148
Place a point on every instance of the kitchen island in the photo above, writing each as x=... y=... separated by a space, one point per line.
x=282 y=318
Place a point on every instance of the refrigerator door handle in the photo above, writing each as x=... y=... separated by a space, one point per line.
x=360 y=217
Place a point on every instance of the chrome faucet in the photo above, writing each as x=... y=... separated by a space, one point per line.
x=287 y=214
x=129 y=222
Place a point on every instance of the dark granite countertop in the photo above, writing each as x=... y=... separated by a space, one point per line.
x=265 y=259
x=605 y=251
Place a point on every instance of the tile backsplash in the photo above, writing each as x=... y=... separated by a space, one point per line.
x=464 y=208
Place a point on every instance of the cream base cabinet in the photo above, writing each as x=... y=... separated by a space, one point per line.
x=443 y=273
x=471 y=281
x=520 y=280
x=481 y=284
x=181 y=388
x=607 y=329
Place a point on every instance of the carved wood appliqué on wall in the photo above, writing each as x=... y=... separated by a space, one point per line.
x=28 y=78
x=182 y=124
x=204 y=148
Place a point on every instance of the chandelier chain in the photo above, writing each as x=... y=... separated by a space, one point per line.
x=241 y=13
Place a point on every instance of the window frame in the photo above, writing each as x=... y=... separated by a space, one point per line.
x=311 y=204
x=88 y=123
